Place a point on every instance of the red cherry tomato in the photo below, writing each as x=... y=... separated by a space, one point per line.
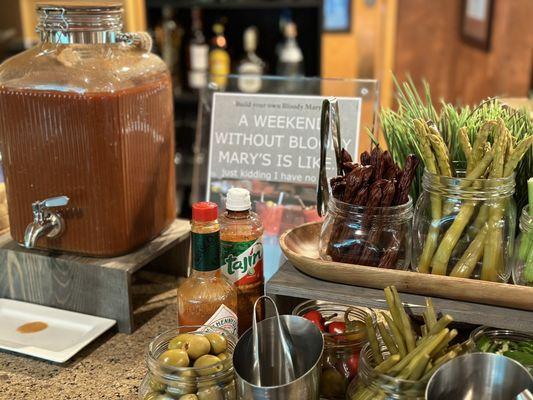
x=316 y=318
x=353 y=363
x=336 y=327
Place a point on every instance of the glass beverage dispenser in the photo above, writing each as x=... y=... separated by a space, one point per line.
x=87 y=134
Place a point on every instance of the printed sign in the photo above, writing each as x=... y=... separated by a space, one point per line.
x=274 y=138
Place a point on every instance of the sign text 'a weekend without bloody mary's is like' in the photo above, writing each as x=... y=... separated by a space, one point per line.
x=274 y=138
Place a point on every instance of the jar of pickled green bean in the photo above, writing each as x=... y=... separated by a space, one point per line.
x=465 y=227
x=523 y=258
x=370 y=384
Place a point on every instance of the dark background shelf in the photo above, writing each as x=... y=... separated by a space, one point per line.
x=238 y=15
x=237 y=4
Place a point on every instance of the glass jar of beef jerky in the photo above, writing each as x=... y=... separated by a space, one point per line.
x=371 y=236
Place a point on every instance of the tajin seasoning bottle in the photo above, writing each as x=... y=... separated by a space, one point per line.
x=241 y=234
x=206 y=297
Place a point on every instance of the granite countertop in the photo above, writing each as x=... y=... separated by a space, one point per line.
x=112 y=367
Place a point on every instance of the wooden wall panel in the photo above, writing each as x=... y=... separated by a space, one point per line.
x=428 y=45
x=507 y=69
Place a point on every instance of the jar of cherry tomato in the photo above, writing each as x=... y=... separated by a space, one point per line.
x=345 y=335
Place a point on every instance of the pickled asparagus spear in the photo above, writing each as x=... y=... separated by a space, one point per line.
x=493 y=251
x=406 y=322
x=373 y=340
x=386 y=365
x=391 y=346
x=525 y=252
x=464 y=142
x=431 y=314
x=468 y=261
x=426 y=345
x=436 y=202
x=396 y=335
x=439 y=264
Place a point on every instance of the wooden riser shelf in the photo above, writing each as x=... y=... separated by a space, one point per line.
x=288 y=283
x=96 y=286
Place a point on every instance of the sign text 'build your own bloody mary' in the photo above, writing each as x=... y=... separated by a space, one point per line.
x=274 y=138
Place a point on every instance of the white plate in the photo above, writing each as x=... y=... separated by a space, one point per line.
x=67 y=332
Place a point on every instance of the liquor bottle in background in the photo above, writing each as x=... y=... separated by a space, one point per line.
x=219 y=59
x=241 y=234
x=251 y=67
x=169 y=36
x=206 y=297
x=290 y=57
x=198 y=53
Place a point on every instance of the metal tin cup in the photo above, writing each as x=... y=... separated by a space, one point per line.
x=260 y=374
x=479 y=376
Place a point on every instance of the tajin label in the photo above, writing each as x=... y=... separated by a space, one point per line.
x=242 y=262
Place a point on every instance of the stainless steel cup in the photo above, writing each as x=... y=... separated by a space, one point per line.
x=306 y=345
x=476 y=376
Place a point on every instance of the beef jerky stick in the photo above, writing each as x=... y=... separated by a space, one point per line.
x=371 y=250
x=347 y=162
x=375 y=156
x=353 y=182
x=383 y=163
x=404 y=184
x=389 y=258
x=343 y=233
x=365 y=158
x=361 y=197
x=375 y=193
x=390 y=169
x=345 y=156
x=348 y=167
x=338 y=188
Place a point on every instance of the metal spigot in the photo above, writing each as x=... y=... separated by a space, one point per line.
x=45 y=221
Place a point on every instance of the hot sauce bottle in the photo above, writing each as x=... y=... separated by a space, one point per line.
x=241 y=234
x=206 y=297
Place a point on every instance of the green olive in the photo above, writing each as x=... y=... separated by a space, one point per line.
x=212 y=393
x=186 y=373
x=151 y=396
x=230 y=391
x=157 y=396
x=223 y=356
x=181 y=389
x=189 y=397
x=164 y=397
x=332 y=383
x=218 y=342
x=180 y=341
x=197 y=346
x=206 y=361
x=157 y=386
x=175 y=358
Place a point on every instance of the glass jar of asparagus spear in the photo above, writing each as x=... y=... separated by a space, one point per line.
x=401 y=356
x=523 y=259
x=465 y=219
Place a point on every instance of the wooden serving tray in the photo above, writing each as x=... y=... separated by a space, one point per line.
x=300 y=246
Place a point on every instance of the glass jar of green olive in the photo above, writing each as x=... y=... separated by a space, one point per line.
x=190 y=363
